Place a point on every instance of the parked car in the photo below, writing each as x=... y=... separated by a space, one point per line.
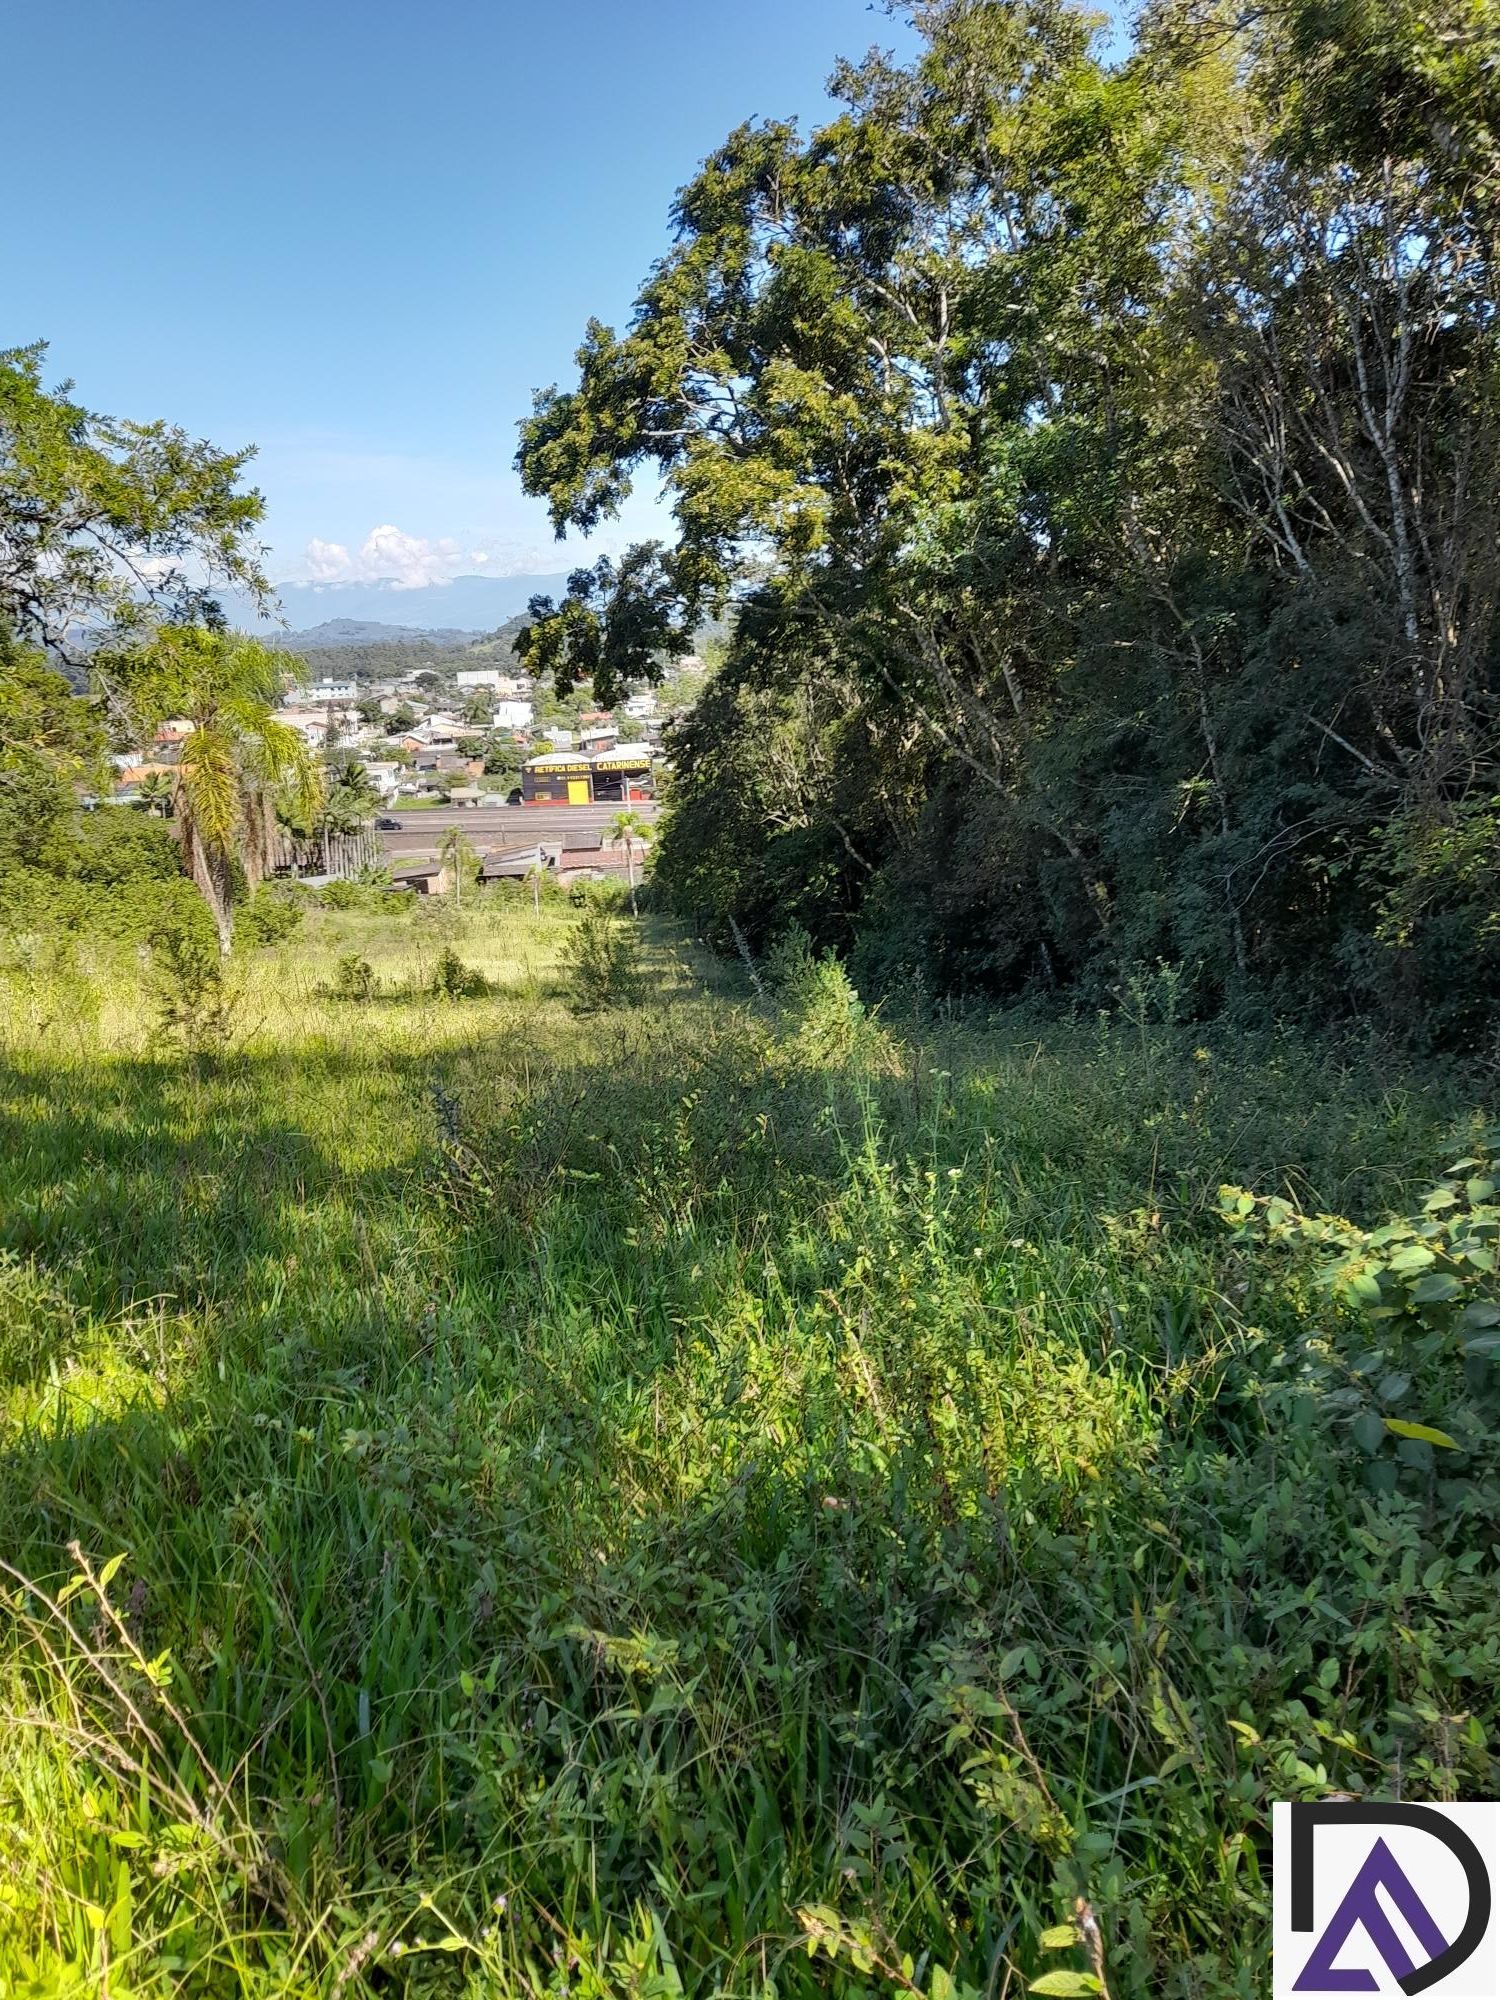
x=385 y=824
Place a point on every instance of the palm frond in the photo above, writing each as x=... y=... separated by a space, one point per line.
x=208 y=778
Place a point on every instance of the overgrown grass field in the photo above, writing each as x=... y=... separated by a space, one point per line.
x=701 y=1497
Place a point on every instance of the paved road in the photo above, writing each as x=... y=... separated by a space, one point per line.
x=500 y=827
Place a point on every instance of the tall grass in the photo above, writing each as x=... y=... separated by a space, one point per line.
x=672 y=1499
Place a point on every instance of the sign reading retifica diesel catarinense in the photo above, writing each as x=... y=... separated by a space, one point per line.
x=601 y=777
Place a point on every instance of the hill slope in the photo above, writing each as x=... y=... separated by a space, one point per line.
x=834 y=1486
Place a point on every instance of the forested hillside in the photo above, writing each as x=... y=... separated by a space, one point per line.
x=368 y=655
x=1102 y=451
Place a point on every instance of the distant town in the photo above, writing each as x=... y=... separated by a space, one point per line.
x=444 y=739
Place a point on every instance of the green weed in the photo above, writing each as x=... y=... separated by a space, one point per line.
x=674 y=1501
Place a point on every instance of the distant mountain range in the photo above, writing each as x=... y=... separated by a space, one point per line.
x=368 y=632
x=447 y=611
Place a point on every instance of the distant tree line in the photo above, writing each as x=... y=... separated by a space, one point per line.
x=395 y=659
x=1100 y=453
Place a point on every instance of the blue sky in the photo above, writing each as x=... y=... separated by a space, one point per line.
x=359 y=236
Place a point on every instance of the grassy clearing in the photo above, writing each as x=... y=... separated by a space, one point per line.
x=669 y=1501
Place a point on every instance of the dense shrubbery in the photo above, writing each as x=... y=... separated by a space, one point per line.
x=452 y=979
x=270 y=917
x=1110 y=450
x=353 y=979
x=603 y=961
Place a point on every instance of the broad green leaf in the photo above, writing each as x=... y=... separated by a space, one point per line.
x=1066 y=1985
x=1435 y=1289
x=1420 y=1433
x=1369 y=1431
x=1413 y=1257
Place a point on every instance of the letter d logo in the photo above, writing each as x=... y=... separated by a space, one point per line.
x=1384 y=1898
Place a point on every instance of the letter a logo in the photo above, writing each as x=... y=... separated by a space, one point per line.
x=1361 y=1908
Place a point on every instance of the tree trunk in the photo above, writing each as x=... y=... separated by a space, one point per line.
x=211 y=879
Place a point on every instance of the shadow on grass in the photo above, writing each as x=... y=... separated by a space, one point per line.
x=593 y=1463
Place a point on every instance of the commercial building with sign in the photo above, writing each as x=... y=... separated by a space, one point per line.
x=581 y=778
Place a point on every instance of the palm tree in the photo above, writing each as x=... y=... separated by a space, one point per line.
x=628 y=827
x=456 y=851
x=155 y=793
x=236 y=759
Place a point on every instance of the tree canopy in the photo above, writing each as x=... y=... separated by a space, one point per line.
x=1100 y=457
x=110 y=525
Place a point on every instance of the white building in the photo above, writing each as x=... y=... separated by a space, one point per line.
x=324 y=692
x=560 y=739
x=312 y=724
x=641 y=707
x=487 y=677
x=512 y=715
x=384 y=776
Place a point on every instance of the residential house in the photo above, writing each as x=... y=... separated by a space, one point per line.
x=588 y=857
x=311 y=724
x=515 y=864
x=448 y=764
x=423 y=878
x=384 y=776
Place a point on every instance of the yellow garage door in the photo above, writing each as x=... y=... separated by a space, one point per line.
x=578 y=791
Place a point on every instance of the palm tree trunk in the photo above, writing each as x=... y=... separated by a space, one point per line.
x=212 y=884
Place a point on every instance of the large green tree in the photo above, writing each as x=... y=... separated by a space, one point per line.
x=51 y=743
x=107 y=524
x=1123 y=426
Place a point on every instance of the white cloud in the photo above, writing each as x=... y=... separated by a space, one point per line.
x=387 y=555
x=327 y=562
